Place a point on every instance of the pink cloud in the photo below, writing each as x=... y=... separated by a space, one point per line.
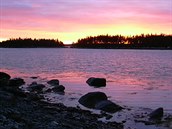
x=75 y=15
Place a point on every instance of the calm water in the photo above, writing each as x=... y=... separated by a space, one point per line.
x=134 y=77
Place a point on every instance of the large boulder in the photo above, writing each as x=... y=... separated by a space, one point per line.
x=97 y=82
x=36 y=87
x=157 y=114
x=16 y=82
x=53 y=82
x=108 y=106
x=4 y=79
x=59 y=88
x=91 y=99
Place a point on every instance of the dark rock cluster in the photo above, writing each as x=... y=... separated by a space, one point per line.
x=57 y=88
x=20 y=110
x=28 y=110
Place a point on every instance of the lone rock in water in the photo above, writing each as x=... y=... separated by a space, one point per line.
x=53 y=82
x=97 y=82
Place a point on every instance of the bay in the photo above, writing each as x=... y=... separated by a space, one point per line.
x=138 y=78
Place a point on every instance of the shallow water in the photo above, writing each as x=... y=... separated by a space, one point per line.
x=137 y=78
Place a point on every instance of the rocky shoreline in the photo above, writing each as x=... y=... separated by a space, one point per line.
x=20 y=110
x=30 y=110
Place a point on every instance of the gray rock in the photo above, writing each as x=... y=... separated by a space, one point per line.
x=108 y=106
x=36 y=87
x=53 y=82
x=91 y=99
x=97 y=82
x=59 y=88
x=157 y=114
x=16 y=82
x=4 y=79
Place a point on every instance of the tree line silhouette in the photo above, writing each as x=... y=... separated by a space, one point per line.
x=142 y=41
x=31 y=43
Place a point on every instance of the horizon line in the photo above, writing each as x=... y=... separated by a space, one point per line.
x=68 y=42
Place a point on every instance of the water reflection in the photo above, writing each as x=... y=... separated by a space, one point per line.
x=124 y=90
x=134 y=77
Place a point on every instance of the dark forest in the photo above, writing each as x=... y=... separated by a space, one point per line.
x=121 y=42
x=31 y=43
x=148 y=41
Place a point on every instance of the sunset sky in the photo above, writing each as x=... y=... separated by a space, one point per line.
x=69 y=20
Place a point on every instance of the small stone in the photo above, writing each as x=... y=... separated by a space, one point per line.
x=108 y=106
x=34 y=77
x=59 y=88
x=124 y=121
x=36 y=87
x=16 y=82
x=53 y=82
x=157 y=114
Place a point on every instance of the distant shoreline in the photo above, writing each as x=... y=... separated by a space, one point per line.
x=149 y=41
x=92 y=48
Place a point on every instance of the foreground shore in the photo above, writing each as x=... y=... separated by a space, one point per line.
x=19 y=110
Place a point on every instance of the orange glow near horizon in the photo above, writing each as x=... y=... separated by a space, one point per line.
x=70 y=37
x=73 y=20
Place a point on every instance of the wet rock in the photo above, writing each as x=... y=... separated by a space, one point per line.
x=36 y=87
x=157 y=114
x=59 y=88
x=4 y=79
x=97 y=82
x=53 y=82
x=34 y=77
x=31 y=112
x=35 y=97
x=16 y=82
x=91 y=99
x=108 y=106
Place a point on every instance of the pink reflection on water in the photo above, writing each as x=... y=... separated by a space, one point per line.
x=126 y=90
x=113 y=81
